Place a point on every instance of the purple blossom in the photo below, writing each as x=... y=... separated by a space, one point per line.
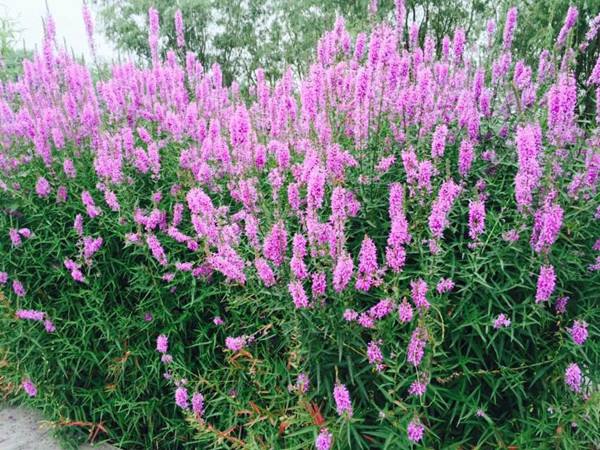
x=366 y=320
x=111 y=200
x=89 y=26
x=229 y=263
x=417 y=388
x=415 y=431
x=298 y=253
x=465 y=157
x=395 y=253
x=168 y=277
x=179 y=28
x=350 y=315
x=319 y=284
x=374 y=354
x=385 y=164
x=293 y=195
x=529 y=145
x=373 y=7
x=501 y=321
x=298 y=267
x=299 y=246
x=153 y=27
x=342 y=272
x=548 y=221
x=367 y=266
x=324 y=440
x=316 y=188
x=298 y=294
x=15 y=238
x=381 y=309
x=570 y=21
x=546 y=283
x=25 y=232
x=199 y=202
x=405 y=311
x=69 y=168
x=78 y=224
x=395 y=256
x=509 y=28
x=275 y=244
x=510 y=236
x=491 y=30
x=561 y=305
x=91 y=246
x=438 y=220
x=522 y=75
x=595 y=76
x=235 y=344
x=400 y=14
x=75 y=270
x=596 y=266
x=264 y=271
x=29 y=388
x=302 y=383
x=181 y=398
x=578 y=332
x=594 y=26
x=562 y=101
x=396 y=201
x=198 y=404
x=418 y=293
x=42 y=187
x=156 y=249
x=29 y=314
x=444 y=285
x=459 y=44
x=342 y=400
x=89 y=204
x=18 y=288
x=416 y=347
x=162 y=343
x=184 y=266
x=476 y=218
x=49 y=326
x=573 y=377
x=438 y=141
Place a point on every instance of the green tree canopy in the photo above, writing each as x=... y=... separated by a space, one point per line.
x=244 y=35
x=11 y=57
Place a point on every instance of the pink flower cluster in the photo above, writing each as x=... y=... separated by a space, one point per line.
x=284 y=193
x=36 y=316
x=342 y=400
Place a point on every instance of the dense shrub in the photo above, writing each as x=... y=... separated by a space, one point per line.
x=400 y=247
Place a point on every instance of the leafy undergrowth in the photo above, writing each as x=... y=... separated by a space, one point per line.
x=399 y=249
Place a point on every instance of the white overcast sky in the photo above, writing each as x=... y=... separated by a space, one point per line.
x=27 y=15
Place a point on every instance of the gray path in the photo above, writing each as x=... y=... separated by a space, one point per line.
x=22 y=429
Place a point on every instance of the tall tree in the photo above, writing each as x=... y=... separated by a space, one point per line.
x=11 y=57
x=244 y=35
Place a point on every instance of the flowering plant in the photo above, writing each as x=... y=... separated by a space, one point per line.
x=405 y=237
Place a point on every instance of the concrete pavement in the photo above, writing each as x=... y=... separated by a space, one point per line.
x=23 y=429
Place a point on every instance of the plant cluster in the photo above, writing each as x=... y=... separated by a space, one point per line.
x=400 y=248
